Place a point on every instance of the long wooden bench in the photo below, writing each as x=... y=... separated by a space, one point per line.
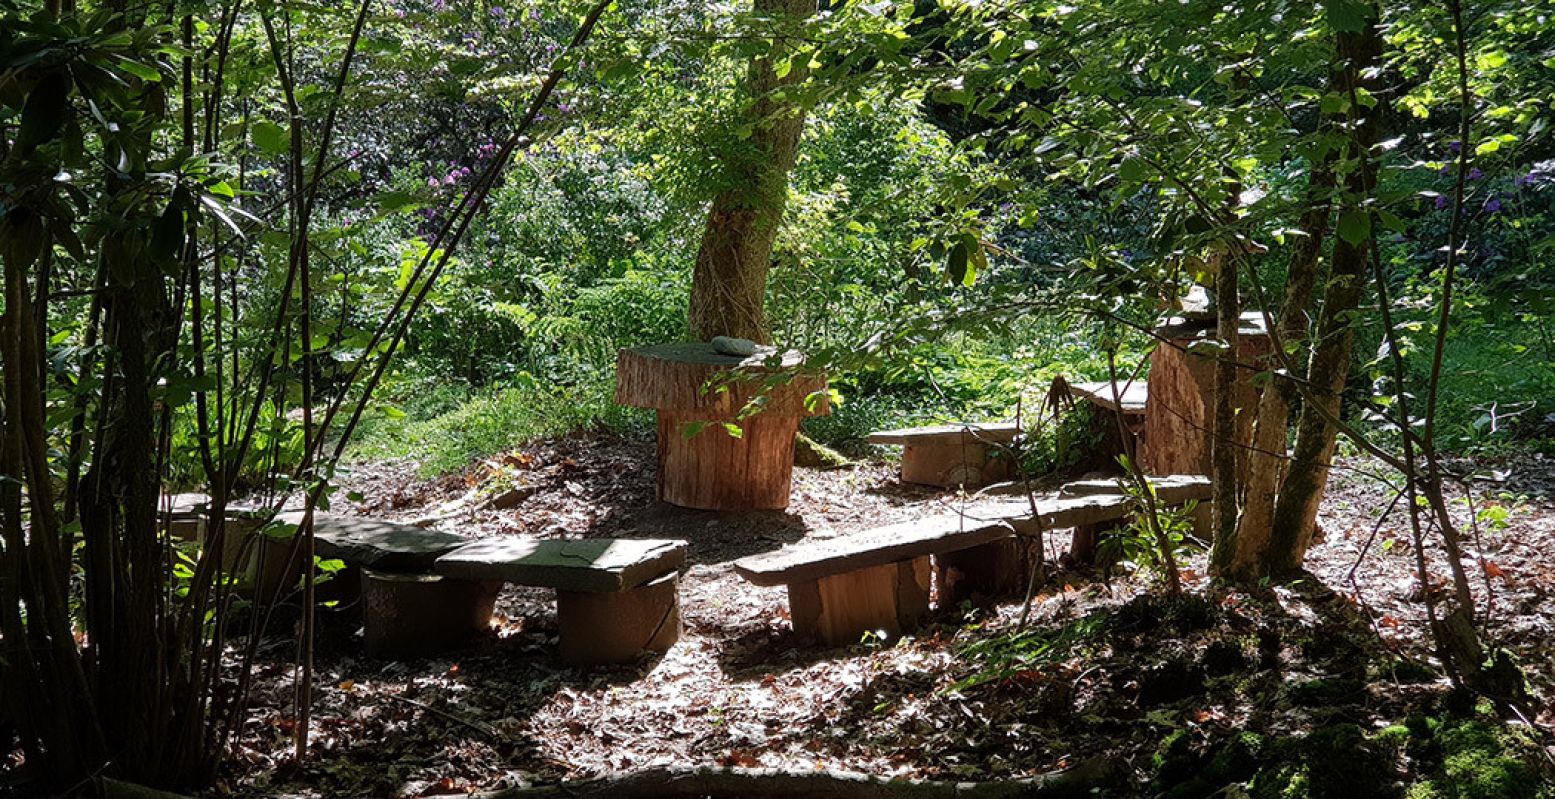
x=950 y=455
x=879 y=579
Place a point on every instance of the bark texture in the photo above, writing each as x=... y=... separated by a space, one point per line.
x=1238 y=557
x=1295 y=512
x=729 y=284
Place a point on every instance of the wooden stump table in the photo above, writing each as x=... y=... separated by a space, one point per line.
x=696 y=391
x=1180 y=414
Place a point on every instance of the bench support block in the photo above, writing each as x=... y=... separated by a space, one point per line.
x=619 y=626
x=950 y=463
x=840 y=608
x=1083 y=542
x=983 y=573
x=1082 y=545
x=415 y=615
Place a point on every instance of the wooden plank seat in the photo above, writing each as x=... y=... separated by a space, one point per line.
x=950 y=455
x=879 y=579
x=615 y=598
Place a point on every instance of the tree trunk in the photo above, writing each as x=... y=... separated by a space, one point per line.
x=729 y=286
x=1295 y=512
x=1237 y=557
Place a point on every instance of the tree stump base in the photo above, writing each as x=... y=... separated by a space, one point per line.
x=619 y=626
x=713 y=470
x=417 y=615
x=839 y=609
x=697 y=391
x=1179 y=417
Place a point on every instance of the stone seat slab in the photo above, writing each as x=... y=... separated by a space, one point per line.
x=376 y=543
x=970 y=431
x=978 y=524
x=1133 y=395
x=599 y=565
x=1172 y=489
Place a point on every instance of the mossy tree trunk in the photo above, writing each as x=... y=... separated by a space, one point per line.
x=729 y=286
x=1272 y=539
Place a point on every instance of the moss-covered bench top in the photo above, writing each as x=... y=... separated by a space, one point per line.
x=376 y=543
x=969 y=431
x=599 y=565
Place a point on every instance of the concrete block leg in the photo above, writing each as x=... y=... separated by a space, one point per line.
x=839 y=609
x=418 y=615
x=619 y=626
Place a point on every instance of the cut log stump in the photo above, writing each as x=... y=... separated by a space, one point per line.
x=259 y=561
x=713 y=470
x=417 y=615
x=696 y=391
x=619 y=626
x=839 y=609
x=1179 y=416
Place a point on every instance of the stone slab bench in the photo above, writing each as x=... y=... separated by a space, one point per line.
x=950 y=455
x=1170 y=492
x=615 y=598
x=185 y=514
x=377 y=544
x=879 y=579
x=1131 y=398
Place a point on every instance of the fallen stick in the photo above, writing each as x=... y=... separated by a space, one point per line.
x=1082 y=781
x=479 y=727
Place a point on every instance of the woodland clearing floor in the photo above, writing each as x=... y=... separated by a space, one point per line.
x=738 y=690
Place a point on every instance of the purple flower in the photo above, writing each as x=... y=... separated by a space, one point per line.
x=1493 y=206
x=431 y=183
x=565 y=108
x=1475 y=173
x=439 y=5
x=497 y=11
x=534 y=14
x=1455 y=146
x=449 y=179
x=1441 y=202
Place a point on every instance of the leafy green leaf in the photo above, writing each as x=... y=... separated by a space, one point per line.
x=956 y=266
x=1354 y=226
x=270 y=138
